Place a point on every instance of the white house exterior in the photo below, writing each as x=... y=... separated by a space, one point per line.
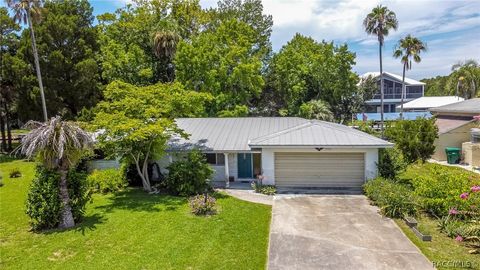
x=286 y=151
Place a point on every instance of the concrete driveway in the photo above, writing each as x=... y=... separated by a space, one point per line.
x=337 y=232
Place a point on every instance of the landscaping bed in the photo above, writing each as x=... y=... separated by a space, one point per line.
x=133 y=230
x=445 y=200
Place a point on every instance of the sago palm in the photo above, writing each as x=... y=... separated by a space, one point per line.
x=24 y=10
x=379 y=22
x=59 y=145
x=408 y=49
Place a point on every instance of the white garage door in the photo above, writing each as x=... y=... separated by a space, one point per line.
x=319 y=169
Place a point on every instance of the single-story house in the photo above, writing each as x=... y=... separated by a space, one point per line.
x=454 y=122
x=286 y=151
x=422 y=104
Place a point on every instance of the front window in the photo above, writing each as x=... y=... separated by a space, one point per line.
x=215 y=158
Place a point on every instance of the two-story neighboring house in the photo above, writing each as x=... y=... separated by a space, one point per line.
x=393 y=92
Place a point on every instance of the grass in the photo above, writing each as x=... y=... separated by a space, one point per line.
x=133 y=230
x=441 y=248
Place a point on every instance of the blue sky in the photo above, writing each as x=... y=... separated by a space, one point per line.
x=451 y=28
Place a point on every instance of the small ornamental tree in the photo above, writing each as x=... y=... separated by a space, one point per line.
x=415 y=138
x=135 y=123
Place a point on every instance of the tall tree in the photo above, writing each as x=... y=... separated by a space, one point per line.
x=24 y=10
x=8 y=48
x=379 y=22
x=165 y=46
x=59 y=145
x=305 y=70
x=408 y=48
x=138 y=121
x=68 y=50
x=223 y=62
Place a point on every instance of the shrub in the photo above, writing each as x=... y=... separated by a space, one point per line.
x=264 y=189
x=43 y=204
x=439 y=188
x=189 y=176
x=414 y=138
x=393 y=199
x=15 y=173
x=202 y=204
x=109 y=180
x=391 y=163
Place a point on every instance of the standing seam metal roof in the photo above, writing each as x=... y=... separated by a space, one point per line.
x=240 y=134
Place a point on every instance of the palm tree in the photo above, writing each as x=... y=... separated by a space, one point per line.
x=24 y=10
x=316 y=109
x=59 y=145
x=379 y=22
x=408 y=48
x=164 y=47
x=466 y=75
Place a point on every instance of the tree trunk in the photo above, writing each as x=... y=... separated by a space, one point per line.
x=404 y=93
x=37 y=65
x=141 y=172
x=381 y=89
x=9 y=128
x=66 y=219
x=2 y=129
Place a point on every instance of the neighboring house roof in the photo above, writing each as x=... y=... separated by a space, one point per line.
x=393 y=116
x=408 y=81
x=320 y=134
x=430 y=102
x=235 y=134
x=448 y=124
x=469 y=106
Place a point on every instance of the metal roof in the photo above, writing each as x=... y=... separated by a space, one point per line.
x=469 y=106
x=320 y=134
x=430 y=102
x=408 y=81
x=235 y=134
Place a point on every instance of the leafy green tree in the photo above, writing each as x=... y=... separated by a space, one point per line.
x=251 y=13
x=24 y=11
x=408 y=48
x=8 y=47
x=135 y=123
x=59 y=145
x=415 y=138
x=316 y=109
x=67 y=48
x=379 y=22
x=304 y=69
x=222 y=62
x=436 y=86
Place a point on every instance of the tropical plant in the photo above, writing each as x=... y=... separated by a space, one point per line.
x=164 y=47
x=59 y=145
x=466 y=77
x=316 y=109
x=24 y=11
x=379 y=22
x=408 y=48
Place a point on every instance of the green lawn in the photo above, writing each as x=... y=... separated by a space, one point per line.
x=133 y=230
x=442 y=248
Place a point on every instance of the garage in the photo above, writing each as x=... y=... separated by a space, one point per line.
x=323 y=170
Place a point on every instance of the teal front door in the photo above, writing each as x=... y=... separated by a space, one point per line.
x=244 y=165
